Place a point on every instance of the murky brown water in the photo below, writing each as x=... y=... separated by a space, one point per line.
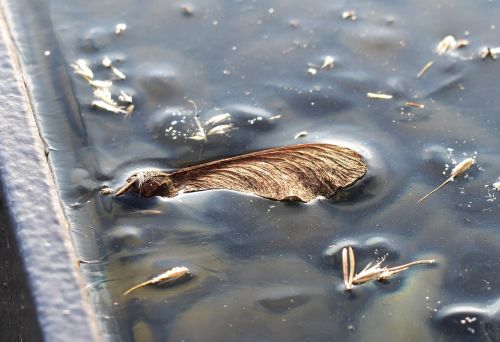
x=267 y=270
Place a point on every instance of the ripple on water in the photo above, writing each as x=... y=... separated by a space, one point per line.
x=475 y=321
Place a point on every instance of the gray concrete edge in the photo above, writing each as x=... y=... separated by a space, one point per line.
x=63 y=309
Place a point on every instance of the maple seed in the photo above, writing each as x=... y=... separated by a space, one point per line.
x=299 y=173
x=462 y=167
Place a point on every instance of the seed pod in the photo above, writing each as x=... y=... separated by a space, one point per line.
x=299 y=172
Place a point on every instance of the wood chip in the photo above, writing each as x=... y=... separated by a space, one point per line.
x=299 y=172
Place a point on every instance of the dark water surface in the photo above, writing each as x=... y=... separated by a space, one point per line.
x=267 y=270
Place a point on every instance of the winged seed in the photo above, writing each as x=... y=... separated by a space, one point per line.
x=298 y=172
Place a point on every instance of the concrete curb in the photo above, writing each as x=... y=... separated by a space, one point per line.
x=39 y=225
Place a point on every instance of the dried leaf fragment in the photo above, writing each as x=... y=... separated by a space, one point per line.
x=460 y=168
x=298 y=172
x=379 y=96
x=171 y=275
x=372 y=271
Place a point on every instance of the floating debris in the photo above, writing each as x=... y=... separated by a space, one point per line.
x=379 y=96
x=124 y=97
x=187 y=10
x=496 y=186
x=109 y=107
x=449 y=44
x=216 y=119
x=290 y=173
x=372 y=271
x=490 y=52
x=462 y=167
x=414 y=104
x=81 y=68
x=120 y=28
x=106 y=62
x=312 y=71
x=106 y=191
x=328 y=63
x=349 y=15
x=101 y=88
x=146 y=212
x=100 y=83
x=198 y=137
x=105 y=95
x=171 y=275
x=201 y=131
x=424 y=69
x=221 y=129
x=299 y=135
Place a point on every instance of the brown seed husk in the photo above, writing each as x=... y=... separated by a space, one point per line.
x=299 y=172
